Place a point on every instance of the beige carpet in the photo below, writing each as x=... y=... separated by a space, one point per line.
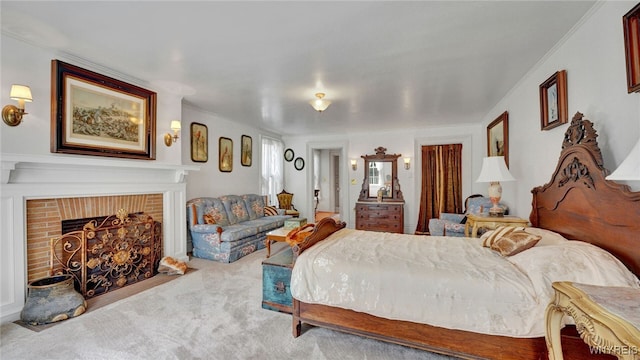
x=113 y=296
x=213 y=313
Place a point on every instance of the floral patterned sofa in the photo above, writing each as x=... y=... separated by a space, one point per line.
x=229 y=227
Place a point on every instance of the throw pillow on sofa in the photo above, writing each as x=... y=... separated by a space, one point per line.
x=270 y=211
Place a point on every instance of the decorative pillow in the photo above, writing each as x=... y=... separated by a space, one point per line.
x=492 y=236
x=510 y=240
x=270 y=211
x=209 y=219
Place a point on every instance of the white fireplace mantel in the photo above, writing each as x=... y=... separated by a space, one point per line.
x=25 y=177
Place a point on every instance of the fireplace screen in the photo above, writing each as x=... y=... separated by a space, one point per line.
x=108 y=254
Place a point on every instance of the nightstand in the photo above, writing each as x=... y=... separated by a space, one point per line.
x=607 y=318
x=475 y=222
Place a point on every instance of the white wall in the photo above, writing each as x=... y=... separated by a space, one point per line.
x=28 y=65
x=406 y=142
x=593 y=55
x=210 y=181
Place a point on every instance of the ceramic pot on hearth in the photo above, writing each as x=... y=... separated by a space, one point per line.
x=52 y=299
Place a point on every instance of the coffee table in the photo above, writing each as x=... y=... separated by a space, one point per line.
x=279 y=234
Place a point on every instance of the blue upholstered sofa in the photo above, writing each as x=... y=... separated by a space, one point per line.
x=229 y=227
x=453 y=224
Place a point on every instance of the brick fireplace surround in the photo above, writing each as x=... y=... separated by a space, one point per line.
x=38 y=191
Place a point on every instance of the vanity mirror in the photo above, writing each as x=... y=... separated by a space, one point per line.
x=380 y=206
x=381 y=177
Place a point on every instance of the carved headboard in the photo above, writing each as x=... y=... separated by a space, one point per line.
x=581 y=204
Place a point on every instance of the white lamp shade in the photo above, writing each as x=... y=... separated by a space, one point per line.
x=175 y=125
x=20 y=92
x=630 y=167
x=494 y=169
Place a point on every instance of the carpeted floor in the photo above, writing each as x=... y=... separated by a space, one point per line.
x=212 y=313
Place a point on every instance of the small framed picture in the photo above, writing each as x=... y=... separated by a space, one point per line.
x=225 y=162
x=246 y=150
x=498 y=137
x=199 y=143
x=288 y=155
x=299 y=163
x=553 y=101
x=631 y=25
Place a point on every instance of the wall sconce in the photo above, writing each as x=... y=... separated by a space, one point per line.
x=11 y=114
x=354 y=164
x=320 y=104
x=170 y=139
x=407 y=163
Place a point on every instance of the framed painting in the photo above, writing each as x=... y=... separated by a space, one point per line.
x=299 y=163
x=92 y=114
x=498 y=137
x=246 y=150
x=225 y=159
x=199 y=142
x=553 y=101
x=631 y=26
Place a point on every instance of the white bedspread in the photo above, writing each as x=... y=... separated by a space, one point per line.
x=449 y=282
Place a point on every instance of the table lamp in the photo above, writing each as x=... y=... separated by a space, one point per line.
x=494 y=170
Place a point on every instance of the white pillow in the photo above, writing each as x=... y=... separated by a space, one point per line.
x=574 y=261
x=548 y=237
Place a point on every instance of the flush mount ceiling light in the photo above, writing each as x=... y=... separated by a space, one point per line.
x=320 y=104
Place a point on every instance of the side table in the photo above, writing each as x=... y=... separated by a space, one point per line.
x=279 y=234
x=474 y=222
x=607 y=318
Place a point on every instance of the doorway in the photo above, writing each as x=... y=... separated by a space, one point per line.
x=328 y=169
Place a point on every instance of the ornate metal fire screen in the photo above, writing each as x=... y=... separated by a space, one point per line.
x=123 y=249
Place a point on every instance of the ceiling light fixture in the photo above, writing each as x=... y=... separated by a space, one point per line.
x=320 y=104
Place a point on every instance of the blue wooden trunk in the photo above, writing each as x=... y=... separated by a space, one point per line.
x=276 y=282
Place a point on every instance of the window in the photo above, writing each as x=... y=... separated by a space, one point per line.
x=374 y=173
x=272 y=177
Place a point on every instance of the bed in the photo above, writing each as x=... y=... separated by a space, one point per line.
x=578 y=204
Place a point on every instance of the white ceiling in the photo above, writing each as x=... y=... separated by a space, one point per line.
x=382 y=64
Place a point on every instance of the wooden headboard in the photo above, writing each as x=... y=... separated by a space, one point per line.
x=581 y=204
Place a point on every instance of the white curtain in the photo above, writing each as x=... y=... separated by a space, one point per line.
x=272 y=178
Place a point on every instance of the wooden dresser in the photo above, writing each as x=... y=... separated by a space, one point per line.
x=380 y=216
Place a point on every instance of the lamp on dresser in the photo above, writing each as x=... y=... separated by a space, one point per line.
x=494 y=170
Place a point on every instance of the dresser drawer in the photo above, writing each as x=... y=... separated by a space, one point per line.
x=380 y=217
x=391 y=208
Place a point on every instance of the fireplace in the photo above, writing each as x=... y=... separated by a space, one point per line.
x=58 y=187
x=46 y=219
x=107 y=253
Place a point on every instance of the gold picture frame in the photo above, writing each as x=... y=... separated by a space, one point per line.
x=553 y=101
x=498 y=137
x=199 y=142
x=246 y=150
x=225 y=154
x=92 y=114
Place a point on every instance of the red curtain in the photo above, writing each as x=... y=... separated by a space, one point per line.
x=441 y=183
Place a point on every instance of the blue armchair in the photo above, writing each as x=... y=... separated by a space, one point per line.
x=453 y=224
